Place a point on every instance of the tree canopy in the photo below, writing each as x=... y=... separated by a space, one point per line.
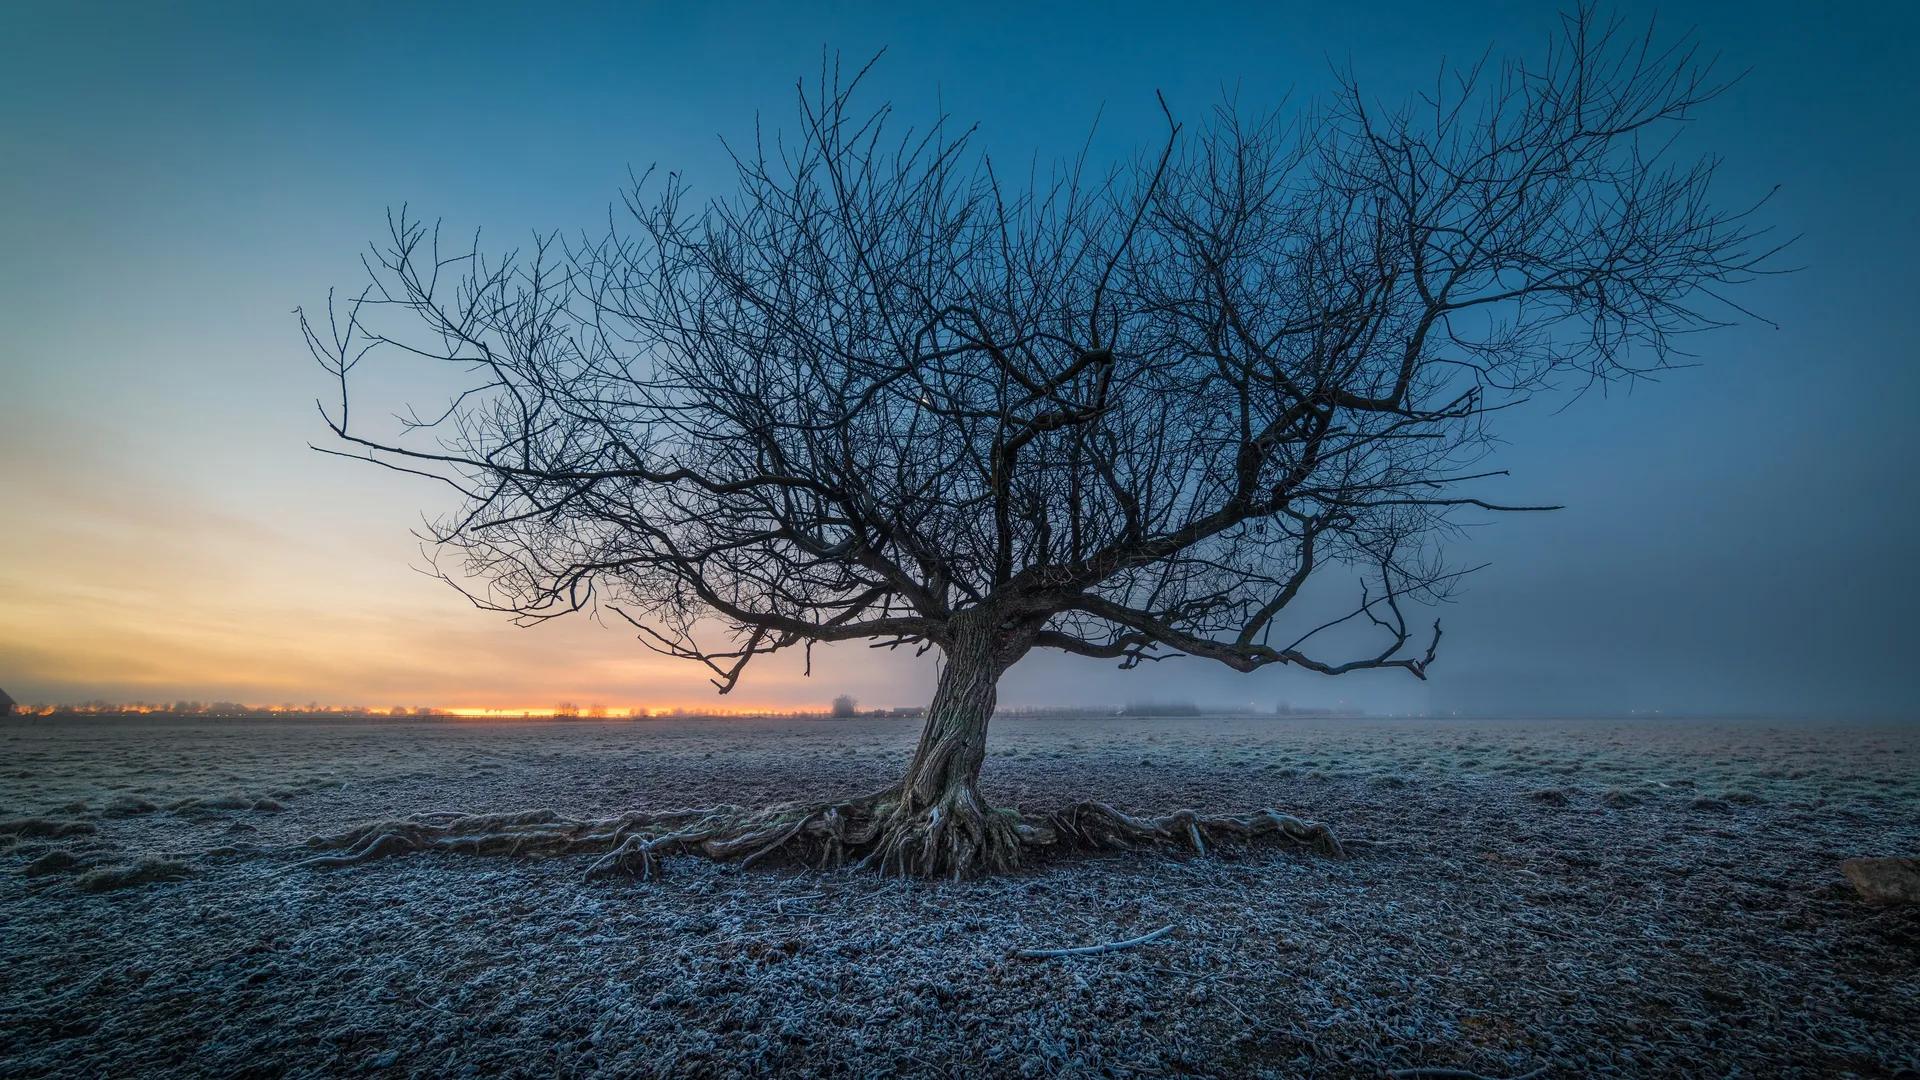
x=1132 y=413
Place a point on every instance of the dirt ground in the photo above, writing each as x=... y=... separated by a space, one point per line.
x=1586 y=898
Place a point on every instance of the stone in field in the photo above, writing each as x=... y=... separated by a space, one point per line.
x=1884 y=881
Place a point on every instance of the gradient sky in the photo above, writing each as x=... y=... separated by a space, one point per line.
x=1739 y=537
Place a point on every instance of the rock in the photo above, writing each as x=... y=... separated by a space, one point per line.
x=1884 y=881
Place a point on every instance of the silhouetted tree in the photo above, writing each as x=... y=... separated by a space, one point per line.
x=880 y=394
x=844 y=706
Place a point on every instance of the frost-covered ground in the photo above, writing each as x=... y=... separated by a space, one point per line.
x=1627 y=898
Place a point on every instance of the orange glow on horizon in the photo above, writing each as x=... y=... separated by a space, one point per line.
x=121 y=594
x=463 y=712
x=467 y=712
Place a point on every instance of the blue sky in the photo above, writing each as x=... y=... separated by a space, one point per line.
x=1740 y=536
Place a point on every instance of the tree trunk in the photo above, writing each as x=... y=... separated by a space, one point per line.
x=941 y=825
x=953 y=743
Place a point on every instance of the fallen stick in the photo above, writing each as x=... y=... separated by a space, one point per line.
x=1454 y=1075
x=1094 y=950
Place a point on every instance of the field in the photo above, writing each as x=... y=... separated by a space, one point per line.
x=1587 y=898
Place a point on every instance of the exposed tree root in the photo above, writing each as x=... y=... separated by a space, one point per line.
x=958 y=836
x=1097 y=825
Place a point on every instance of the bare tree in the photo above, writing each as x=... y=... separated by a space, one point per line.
x=844 y=707
x=881 y=394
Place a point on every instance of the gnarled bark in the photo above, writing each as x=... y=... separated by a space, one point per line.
x=942 y=826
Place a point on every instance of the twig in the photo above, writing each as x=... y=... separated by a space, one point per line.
x=1092 y=950
x=1361 y=843
x=1454 y=1074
